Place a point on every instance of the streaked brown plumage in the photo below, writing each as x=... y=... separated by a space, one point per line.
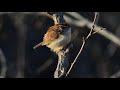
x=56 y=38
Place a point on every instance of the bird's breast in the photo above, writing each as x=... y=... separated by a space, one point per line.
x=60 y=42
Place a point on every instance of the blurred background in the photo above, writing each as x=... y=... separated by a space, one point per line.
x=20 y=32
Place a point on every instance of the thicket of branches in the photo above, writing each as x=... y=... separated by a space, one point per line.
x=20 y=31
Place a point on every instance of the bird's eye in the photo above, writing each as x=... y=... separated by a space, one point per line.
x=63 y=27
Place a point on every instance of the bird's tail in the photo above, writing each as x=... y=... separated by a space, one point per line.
x=38 y=45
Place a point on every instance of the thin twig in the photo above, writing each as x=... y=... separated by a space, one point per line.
x=83 y=44
x=93 y=26
x=98 y=31
x=76 y=56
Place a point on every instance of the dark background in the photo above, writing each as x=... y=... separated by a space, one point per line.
x=19 y=33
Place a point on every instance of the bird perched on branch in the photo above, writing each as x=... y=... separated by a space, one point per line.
x=56 y=38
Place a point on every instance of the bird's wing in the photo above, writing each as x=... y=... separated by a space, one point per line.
x=49 y=37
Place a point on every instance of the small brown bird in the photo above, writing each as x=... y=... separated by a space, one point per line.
x=56 y=38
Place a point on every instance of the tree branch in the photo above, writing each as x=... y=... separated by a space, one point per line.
x=116 y=75
x=81 y=22
x=83 y=44
x=76 y=57
x=63 y=55
x=93 y=26
x=3 y=65
x=63 y=62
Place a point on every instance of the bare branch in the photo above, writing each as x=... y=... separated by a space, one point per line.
x=111 y=48
x=57 y=17
x=81 y=22
x=63 y=62
x=63 y=55
x=98 y=31
x=3 y=65
x=45 y=13
x=116 y=75
x=76 y=57
x=84 y=40
x=28 y=13
x=93 y=26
